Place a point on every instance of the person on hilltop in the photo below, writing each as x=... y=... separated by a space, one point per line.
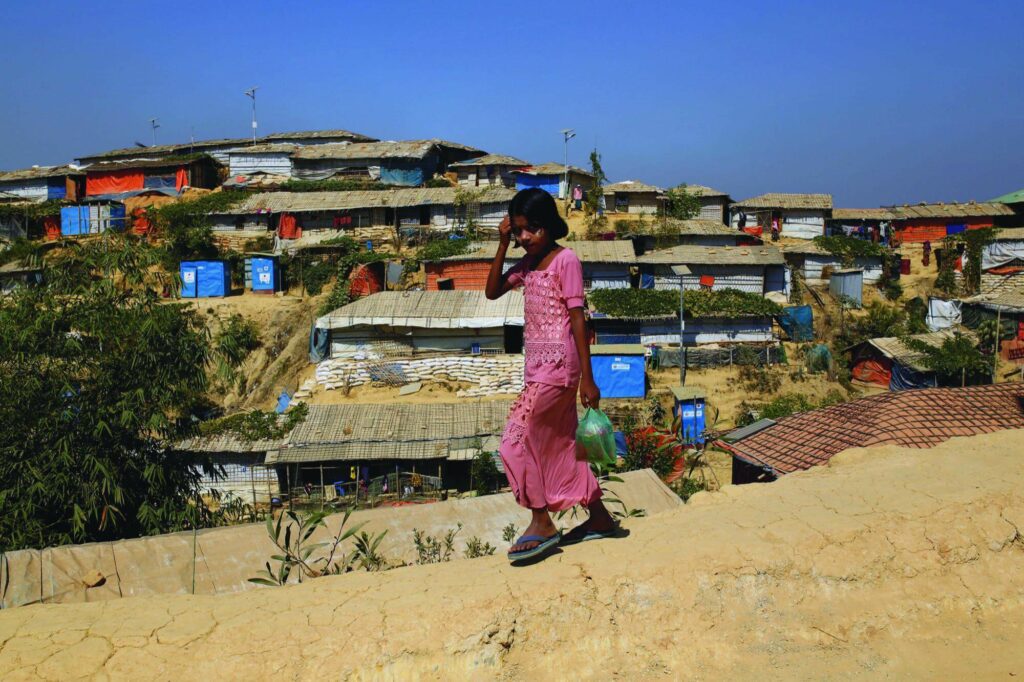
x=538 y=447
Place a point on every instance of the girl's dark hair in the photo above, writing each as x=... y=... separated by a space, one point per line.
x=539 y=209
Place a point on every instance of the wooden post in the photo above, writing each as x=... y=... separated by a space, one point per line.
x=321 y=486
x=995 y=345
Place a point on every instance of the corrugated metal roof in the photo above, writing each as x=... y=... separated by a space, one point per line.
x=393 y=431
x=689 y=254
x=788 y=201
x=40 y=172
x=863 y=214
x=631 y=186
x=490 y=160
x=428 y=309
x=552 y=168
x=405 y=149
x=294 y=202
x=953 y=210
x=616 y=251
x=911 y=419
x=894 y=349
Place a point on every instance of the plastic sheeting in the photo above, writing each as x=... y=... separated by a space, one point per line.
x=798 y=322
x=319 y=343
x=112 y=182
x=620 y=376
x=942 y=314
x=407 y=177
x=873 y=371
x=1001 y=253
x=548 y=183
x=905 y=378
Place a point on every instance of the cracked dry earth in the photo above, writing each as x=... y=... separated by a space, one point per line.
x=889 y=562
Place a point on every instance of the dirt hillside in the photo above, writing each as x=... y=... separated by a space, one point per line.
x=889 y=563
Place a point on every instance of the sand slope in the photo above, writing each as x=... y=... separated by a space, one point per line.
x=888 y=563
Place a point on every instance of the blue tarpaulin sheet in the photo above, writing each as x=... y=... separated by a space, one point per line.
x=620 y=444
x=646 y=281
x=409 y=177
x=283 y=401
x=548 y=183
x=159 y=182
x=797 y=322
x=319 y=343
x=955 y=229
x=620 y=376
x=904 y=378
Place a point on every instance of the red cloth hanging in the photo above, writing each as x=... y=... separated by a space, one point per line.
x=287 y=228
x=180 y=178
x=113 y=182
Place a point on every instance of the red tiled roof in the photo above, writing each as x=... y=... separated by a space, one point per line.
x=913 y=419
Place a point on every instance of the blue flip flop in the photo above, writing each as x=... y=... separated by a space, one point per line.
x=590 y=535
x=544 y=545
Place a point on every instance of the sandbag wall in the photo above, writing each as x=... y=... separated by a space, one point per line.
x=491 y=373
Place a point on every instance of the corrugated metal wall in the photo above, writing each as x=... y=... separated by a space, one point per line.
x=803 y=224
x=748 y=278
x=247 y=164
x=713 y=209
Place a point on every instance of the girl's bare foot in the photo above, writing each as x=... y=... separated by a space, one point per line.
x=540 y=525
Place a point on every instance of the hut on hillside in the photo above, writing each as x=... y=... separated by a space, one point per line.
x=436 y=321
x=872 y=224
x=933 y=222
x=814 y=263
x=394 y=449
x=714 y=204
x=552 y=178
x=230 y=467
x=488 y=170
x=112 y=178
x=409 y=163
x=633 y=196
x=757 y=269
x=889 y=362
x=1003 y=303
x=802 y=216
x=42 y=183
x=310 y=137
x=271 y=159
x=669 y=232
x=606 y=265
x=365 y=214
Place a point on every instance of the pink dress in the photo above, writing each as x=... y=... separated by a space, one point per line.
x=538 y=447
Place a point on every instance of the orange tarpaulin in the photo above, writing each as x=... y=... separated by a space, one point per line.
x=873 y=371
x=287 y=228
x=113 y=182
x=140 y=222
x=180 y=178
x=51 y=227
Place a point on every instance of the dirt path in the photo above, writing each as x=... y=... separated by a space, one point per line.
x=890 y=563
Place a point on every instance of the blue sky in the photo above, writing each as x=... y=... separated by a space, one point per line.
x=876 y=101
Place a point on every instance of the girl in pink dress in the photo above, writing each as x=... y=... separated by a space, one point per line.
x=538 y=447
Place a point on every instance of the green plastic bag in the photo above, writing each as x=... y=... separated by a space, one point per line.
x=597 y=437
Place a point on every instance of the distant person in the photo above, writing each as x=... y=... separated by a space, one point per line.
x=775 y=229
x=538 y=447
x=926 y=253
x=577 y=196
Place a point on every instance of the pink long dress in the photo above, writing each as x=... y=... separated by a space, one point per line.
x=538 y=447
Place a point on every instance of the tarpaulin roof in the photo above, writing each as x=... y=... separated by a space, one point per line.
x=552 y=168
x=336 y=133
x=702 y=226
x=704 y=191
x=490 y=160
x=393 y=431
x=40 y=172
x=912 y=419
x=1008 y=296
x=863 y=214
x=449 y=309
x=1011 y=198
x=294 y=202
x=389 y=149
x=788 y=201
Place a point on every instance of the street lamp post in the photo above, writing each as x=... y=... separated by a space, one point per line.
x=154 y=124
x=567 y=135
x=251 y=93
x=681 y=271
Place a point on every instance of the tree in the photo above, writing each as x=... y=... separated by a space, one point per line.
x=595 y=221
x=974 y=242
x=681 y=203
x=957 y=361
x=98 y=376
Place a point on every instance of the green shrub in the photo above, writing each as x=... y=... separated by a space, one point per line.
x=339 y=296
x=484 y=472
x=316 y=275
x=635 y=302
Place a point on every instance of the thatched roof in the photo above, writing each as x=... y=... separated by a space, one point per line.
x=863 y=214
x=631 y=186
x=406 y=149
x=689 y=254
x=297 y=202
x=40 y=173
x=617 y=251
x=490 y=160
x=552 y=168
x=953 y=210
x=428 y=309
